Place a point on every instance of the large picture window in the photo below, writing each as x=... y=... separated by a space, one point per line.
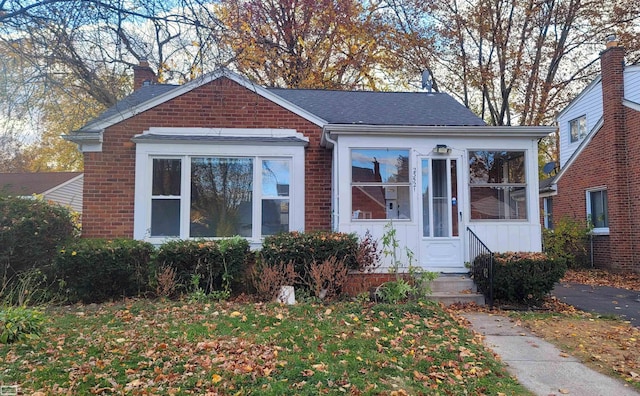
x=380 y=184
x=220 y=196
x=498 y=189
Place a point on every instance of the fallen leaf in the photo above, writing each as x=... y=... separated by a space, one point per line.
x=216 y=378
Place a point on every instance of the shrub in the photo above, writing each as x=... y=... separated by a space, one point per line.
x=30 y=232
x=97 y=270
x=19 y=324
x=522 y=278
x=269 y=279
x=215 y=263
x=568 y=240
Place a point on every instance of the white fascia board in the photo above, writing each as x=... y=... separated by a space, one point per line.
x=87 y=141
x=73 y=179
x=533 y=132
x=227 y=132
x=632 y=105
x=200 y=81
x=579 y=97
x=580 y=149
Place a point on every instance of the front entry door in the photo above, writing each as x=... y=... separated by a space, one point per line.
x=441 y=245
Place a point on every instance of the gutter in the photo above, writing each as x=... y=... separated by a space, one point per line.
x=328 y=142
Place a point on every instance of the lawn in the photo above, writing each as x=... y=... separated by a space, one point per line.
x=242 y=348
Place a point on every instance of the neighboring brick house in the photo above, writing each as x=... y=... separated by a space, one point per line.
x=222 y=156
x=600 y=162
x=63 y=188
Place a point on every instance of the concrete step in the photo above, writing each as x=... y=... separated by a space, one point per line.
x=453 y=298
x=453 y=284
x=455 y=288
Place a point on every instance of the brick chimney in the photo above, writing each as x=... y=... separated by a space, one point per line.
x=142 y=75
x=612 y=66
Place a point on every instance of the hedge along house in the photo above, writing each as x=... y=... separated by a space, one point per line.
x=221 y=156
x=599 y=151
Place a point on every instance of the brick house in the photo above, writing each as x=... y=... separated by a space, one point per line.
x=599 y=152
x=222 y=156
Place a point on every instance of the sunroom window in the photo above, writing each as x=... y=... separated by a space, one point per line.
x=498 y=189
x=380 y=184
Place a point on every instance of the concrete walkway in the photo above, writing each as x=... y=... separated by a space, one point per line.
x=540 y=366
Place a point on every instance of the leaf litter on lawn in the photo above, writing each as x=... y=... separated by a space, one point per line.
x=163 y=347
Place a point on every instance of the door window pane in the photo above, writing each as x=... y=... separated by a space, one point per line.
x=440 y=199
x=454 y=197
x=426 y=228
x=221 y=197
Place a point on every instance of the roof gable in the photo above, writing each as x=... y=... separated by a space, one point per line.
x=320 y=107
x=150 y=96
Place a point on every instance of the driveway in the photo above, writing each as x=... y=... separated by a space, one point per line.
x=603 y=300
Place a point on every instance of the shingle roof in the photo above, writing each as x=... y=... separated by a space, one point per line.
x=139 y=96
x=33 y=183
x=381 y=108
x=334 y=107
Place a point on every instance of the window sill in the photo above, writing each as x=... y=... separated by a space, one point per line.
x=600 y=231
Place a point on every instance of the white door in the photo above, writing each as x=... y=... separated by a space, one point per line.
x=441 y=220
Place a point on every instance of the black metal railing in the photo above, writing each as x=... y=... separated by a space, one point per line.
x=481 y=259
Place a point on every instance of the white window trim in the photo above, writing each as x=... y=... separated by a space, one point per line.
x=408 y=184
x=599 y=230
x=145 y=152
x=525 y=185
x=580 y=137
x=545 y=210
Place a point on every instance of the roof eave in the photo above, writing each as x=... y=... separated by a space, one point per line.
x=536 y=132
x=87 y=141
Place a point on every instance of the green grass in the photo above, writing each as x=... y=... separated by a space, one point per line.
x=255 y=349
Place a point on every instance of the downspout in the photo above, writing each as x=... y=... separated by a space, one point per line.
x=335 y=197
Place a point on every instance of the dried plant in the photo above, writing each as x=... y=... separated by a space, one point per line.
x=327 y=277
x=269 y=279
x=167 y=282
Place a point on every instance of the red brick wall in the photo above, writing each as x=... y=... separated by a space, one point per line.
x=110 y=175
x=611 y=160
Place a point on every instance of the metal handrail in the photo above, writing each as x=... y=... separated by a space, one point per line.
x=481 y=258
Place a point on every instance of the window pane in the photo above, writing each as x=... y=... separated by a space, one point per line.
x=440 y=199
x=275 y=178
x=221 y=197
x=496 y=167
x=498 y=203
x=165 y=217
x=380 y=202
x=380 y=165
x=599 y=211
x=425 y=199
x=166 y=176
x=275 y=216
